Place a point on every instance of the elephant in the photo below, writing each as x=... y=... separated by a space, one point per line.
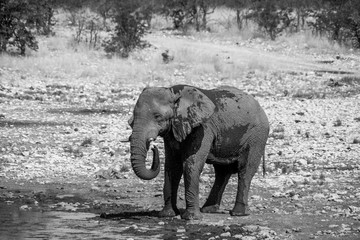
x=224 y=126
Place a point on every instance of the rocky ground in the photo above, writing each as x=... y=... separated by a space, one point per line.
x=60 y=150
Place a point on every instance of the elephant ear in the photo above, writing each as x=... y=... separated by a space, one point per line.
x=191 y=109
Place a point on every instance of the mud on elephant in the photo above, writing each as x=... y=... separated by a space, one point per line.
x=224 y=127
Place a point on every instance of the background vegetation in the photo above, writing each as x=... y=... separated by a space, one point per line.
x=125 y=22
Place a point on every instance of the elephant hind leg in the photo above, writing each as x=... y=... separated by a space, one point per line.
x=245 y=175
x=222 y=175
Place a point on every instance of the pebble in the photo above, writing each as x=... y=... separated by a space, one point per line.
x=298 y=179
x=251 y=228
x=24 y=208
x=226 y=228
x=295 y=197
x=301 y=162
x=134 y=226
x=278 y=195
x=94 y=188
x=266 y=234
x=342 y=192
x=354 y=209
x=256 y=197
x=276 y=210
x=226 y=234
x=181 y=230
x=62 y=196
x=248 y=238
x=299 y=205
x=318 y=196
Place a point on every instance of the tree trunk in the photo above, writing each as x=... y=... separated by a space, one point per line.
x=238 y=19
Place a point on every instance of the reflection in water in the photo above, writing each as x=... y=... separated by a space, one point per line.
x=34 y=224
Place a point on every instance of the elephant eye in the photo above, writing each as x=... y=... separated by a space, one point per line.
x=158 y=116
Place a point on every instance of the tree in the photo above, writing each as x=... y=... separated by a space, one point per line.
x=188 y=12
x=131 y=25
x=271 y=16
x=239 y=6
x=301 y=8
x=105 y=9
x=339 y=20
x=20 y=19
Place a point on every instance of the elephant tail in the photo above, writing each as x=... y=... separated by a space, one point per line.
x=263 y=164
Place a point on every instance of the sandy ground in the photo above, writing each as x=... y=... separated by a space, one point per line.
x=60 y=151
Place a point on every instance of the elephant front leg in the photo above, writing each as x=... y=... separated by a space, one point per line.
x=192 y=170
x=171 y=185
x=173 y=173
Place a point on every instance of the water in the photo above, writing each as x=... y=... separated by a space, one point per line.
x=37 y=224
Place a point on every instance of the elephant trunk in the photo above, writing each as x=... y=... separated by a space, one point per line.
x=138 y=151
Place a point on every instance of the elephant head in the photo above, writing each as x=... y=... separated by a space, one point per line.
x=163 y=111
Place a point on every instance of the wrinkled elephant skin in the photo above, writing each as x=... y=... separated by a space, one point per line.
x=224 y=127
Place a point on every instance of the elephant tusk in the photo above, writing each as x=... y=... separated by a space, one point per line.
x=151 y=143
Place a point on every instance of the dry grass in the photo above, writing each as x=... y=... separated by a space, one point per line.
x=308 y=41
x=159 y=22
x=222 y=25
x=59 y=60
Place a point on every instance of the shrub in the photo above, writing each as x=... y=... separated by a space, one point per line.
x=127 y=35
x=88 y=25
x=186 y=12
x=270 y=17
x=340 y=21
x=131 y=25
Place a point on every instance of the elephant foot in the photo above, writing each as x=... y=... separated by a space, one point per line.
x=240 y=210
x=166 y=212
x=238 y=214
x=210 y=209
x=187 y=215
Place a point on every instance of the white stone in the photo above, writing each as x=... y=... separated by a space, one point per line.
x=251 y=228
x=318 y=196
x=301 y=162
x=248 y=238
x=226 y=234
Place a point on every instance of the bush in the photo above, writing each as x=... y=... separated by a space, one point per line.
x=127 y=35
x=187 y=12
x=270 y=17
x=340 y=21
x=131 y=26
x=88 y=25
x=19 y=20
